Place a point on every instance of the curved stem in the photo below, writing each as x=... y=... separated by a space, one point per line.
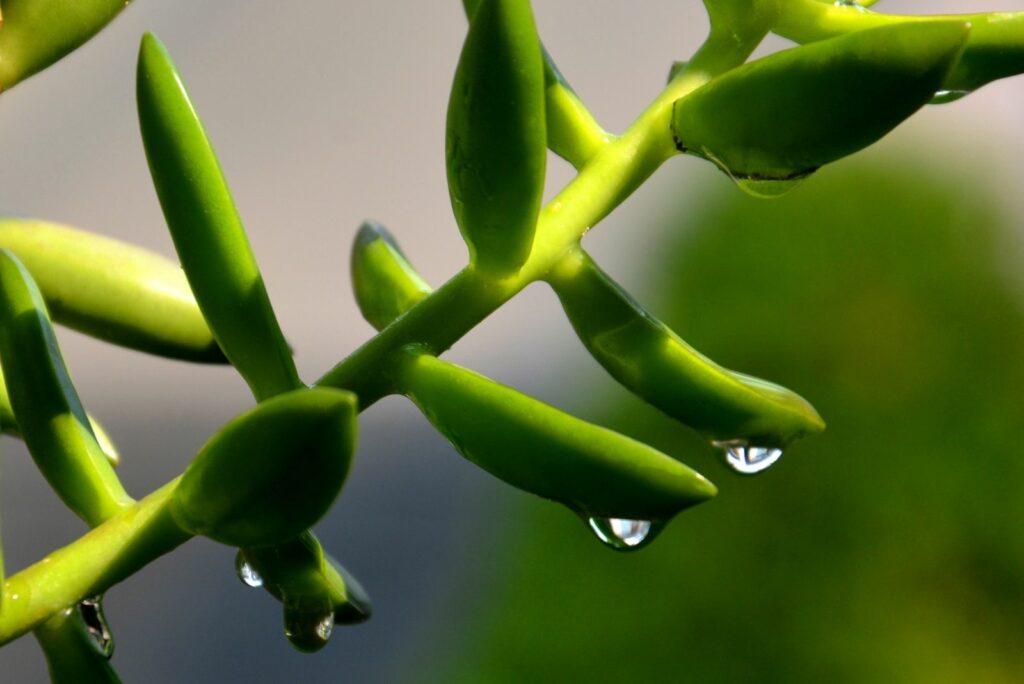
x=146 y=530
x=90 y=565
x=605 y=181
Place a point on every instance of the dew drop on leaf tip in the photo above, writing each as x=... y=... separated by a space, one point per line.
x=767 y=188
x=746 y=459
x=247 y=573
x=620 y=533
x=309 y=631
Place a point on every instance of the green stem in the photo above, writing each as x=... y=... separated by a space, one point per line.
x=146 y=530
x=90 y=565
x=610 y=176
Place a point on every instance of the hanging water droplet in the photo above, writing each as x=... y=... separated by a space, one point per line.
x=747 y=459
x=759 y=186
x=246 y=572
x=768 y=188
x=620 y=533
x=947 y=96
x=308 y=625
x=91 y=610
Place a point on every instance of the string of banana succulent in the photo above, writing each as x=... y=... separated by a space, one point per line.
x=271 y=473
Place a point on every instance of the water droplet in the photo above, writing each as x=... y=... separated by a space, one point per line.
x=746 y=459
x=91 y=610
x=768 y=188
x=947 y=96
x=850 y=3
x=246 y=572
x=621 y=534
x=308 y=624
x=756 y=185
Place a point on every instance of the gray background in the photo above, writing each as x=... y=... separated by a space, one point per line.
x=323 y=114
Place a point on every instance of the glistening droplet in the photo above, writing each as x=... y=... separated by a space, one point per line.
x=850 y=3
x=747 y=459
x=308 y=624
x=91 y=610
x=246 y=572
x=621 y=534
x=947 y=96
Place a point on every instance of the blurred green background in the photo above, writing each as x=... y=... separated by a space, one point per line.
x=889 y=549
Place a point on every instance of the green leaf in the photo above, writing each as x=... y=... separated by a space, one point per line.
x=9 y=426
x=36 y=33
x=537 y=448
x=73 y=655
x=651 y=361
x=112 y=290
x=496 y=142
x=994 y=50
x=384 y=282
x=207 y=231
x=572 y=132
x=272 y=472
x=783 y=116
x=46 y=406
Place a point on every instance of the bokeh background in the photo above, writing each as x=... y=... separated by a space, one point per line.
x=887 y=290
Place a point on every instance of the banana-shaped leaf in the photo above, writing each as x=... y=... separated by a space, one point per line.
x=384 y=283
x=76 y=653
x=994 y=50
x=9 y=426
x=785 y=115
x=272 y=472
x=46 y=406
x=207 y=232
x=572 y=132
x=112 y=290
x=496 y=143
x=315 y=591
x=654 y=363
x=530 y=445
x=36 y=33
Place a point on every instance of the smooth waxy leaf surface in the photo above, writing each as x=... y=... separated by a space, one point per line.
x=112 y=290
x=46 y=406
x=206 y=229
x=496 y=143
x=655 y=364
x=785 y=115
x=36 y=33
x=537 y=448
x=384 y=282
x=272 y=472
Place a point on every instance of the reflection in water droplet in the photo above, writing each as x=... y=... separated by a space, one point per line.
x=308 y=626
x=947 y=96
x=91 y=610
x=746 y=459
x=246 y=572
x=619 y=533
x=850 y=3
